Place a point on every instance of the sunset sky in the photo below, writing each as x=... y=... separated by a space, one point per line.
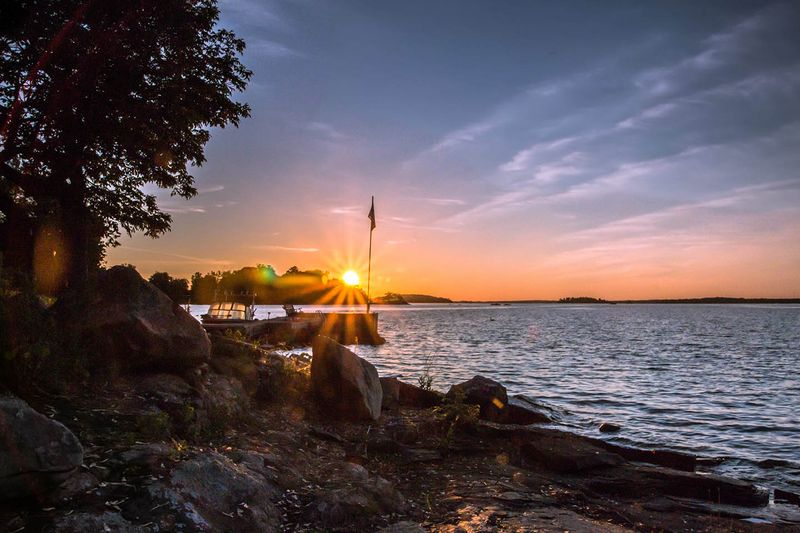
x=518 y=149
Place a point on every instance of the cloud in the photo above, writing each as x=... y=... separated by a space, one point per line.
x=763 y=40
x=297 y=249
x=210 y=188
x=683 y=214
x=171 y=256
x=523 y=158
x=654 y=112
x=256 y=13
x=267 y=48
x=183 y=210
x=327 y=131
x=444 y=201
x=346 y=210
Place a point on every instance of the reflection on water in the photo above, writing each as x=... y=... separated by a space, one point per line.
x=718 y=380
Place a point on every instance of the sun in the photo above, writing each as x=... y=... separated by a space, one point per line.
x=351 y=278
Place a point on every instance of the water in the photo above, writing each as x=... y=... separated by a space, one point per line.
x=715 y=380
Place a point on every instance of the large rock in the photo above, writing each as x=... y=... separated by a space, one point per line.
x=391 y=393
x=131 y=322
x=344 y=384
x=100 y=521
x=654 y=481
x=417 y=397
x=523 y=412
x=490 y=395
x=212 y=493
x=36 y=453
x=564 y=453
x=357 y=503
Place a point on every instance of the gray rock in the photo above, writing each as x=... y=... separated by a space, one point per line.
x=356 y=471
x=564 y=454
x=490 y=395
x=418 y=455
x=146 y=454
x=417 y=397
x=402 y=527
x=75 y=485
x=344 y=384
x=641 y=481
x=105 y=521
x=608 y=427
x=358 y=503
x=36 y=453
x=131 y=322
x=213 y=493
x=225 y=395
x=391 y=393
x=239 y=360
x=524 y=412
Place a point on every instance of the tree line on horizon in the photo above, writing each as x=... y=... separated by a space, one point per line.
x=260 y=284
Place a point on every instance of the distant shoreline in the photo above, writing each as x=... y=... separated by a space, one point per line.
x=711 y=300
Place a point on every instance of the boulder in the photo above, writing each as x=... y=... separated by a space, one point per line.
x=567 y=454
x=608 y=427
x=36 y=453
x=147 y=454
x=786 y=496
x=524 y=412
x=654 y=481
x=403 y=527
x=212 y=493
x=417 y=397
x=391 y=393
x=131 y=323
x=101 y=521
x=224 y=396
x=357 y=503
x=668 y=458
x=490 y=395
x=344 y=384
x=245 y=367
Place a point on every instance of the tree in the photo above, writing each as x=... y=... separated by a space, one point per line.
x=99 y=99
x=175 y=288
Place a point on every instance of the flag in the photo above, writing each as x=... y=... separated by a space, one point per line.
x=371 y=215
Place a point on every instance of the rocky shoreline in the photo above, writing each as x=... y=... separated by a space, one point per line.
x=221 y=435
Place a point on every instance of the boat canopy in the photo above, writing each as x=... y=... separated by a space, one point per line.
x=230 y=311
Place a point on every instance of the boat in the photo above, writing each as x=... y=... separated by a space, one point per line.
x=230 y=312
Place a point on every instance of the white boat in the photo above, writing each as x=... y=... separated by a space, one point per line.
x=229 y=312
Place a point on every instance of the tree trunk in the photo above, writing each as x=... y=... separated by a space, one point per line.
x=76 y=227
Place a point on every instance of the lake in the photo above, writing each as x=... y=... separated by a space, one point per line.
x=714 y=380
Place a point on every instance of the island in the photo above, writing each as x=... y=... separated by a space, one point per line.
x=425 y=299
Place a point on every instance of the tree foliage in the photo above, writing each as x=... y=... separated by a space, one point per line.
x=99 y=99
x=175 y=288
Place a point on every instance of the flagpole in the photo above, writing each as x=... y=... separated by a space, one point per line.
x=369 y=261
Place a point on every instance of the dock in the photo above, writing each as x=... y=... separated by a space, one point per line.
x=345 y=328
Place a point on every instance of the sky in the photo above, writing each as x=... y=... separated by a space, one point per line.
x=516 y=149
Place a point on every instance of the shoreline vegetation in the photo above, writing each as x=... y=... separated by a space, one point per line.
x=262 y=285
x=318 y=287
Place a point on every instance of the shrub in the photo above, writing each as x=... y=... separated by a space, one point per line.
x=454 y=415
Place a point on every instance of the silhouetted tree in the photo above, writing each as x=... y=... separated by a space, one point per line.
x=204 y=287
x=175 y=288
x=98 y=99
